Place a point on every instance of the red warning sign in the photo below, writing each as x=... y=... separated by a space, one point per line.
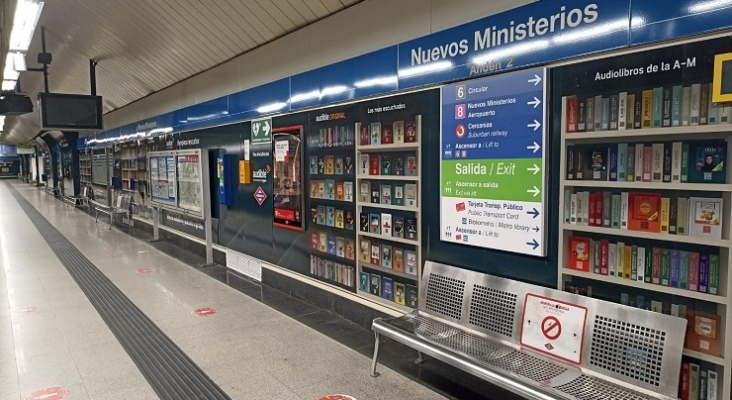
x=53 y=393
x=260 y=196
x=551 y=328
x=202 y=312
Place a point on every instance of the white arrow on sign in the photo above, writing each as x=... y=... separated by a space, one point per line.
x=536 y=125
x=535 y=169
x=534 y=147
x=534 y=102
x=535 y=191
x=535 y=80
x=266 y=127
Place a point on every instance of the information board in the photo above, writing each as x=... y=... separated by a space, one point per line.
x=492 y=162
x=553 y=327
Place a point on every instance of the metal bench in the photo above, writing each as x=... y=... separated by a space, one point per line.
x=81 y=200
x=475 y=322
x=121 y=206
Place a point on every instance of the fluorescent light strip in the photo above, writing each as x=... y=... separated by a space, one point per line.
x=383 y=81
x=425 y=68
x=705 y=6
x=271 y=107
x=24 y=24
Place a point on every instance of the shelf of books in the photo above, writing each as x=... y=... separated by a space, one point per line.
x=646 y=211
x=332 y=204
x=388 y=208
x=85 y=167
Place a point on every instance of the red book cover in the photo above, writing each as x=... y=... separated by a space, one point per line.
x=386 y=134
x=598 y=208
x=647 y=164
x=374 y=164
x=644 y=212
x=604 y=248
x=410 y=132
x=684 y=387
x=591 y=208
x=572 y=114
x=579 y=253
x=694 y=271
x=656 y=266
x=314 y=241
x=365 y=139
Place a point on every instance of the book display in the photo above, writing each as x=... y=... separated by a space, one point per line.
x=646 y=199
x=331 y=201
x=126 y=165
x=388 y=203
x=85 y=167
x=178 y=179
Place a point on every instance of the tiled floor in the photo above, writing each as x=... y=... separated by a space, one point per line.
x=51 y=335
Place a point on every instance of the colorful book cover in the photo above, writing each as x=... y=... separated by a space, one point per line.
x=665 y=267
x=397 y=165
x=376 y=284
x=694 y=271
x=675 y=269
x=647 y=116
x=340 y=247
x=375 y=224
x=385 y=194
x=364 y=282
x=705 y=216
x=330 y=189
x=612 y=160
x=387 y=136
x=410 y=263
x=620 y=260
x=622 y=162
x=386 y=224
x=683 y=269
x=375 y=254
x=630 y=111
x=676 y=106
x=399 y=294
x=398 y=130
x=657 y=107
x=628 y=262
x=398 y=230
x=330 y=216
x=644 y=212
x=398 y=199
x=320 y=218
x=410 y=228
x=595 y=166
x=704 y=273
x=713 y=282
x=572 y=116
x=596 y=256
x=411 y=296
x=656 y=266
x=375 y=133
x=385 y=164
x=331 y=245
x=365 y=137
x=604 y=249
x=665 y=211
x=398 y=260
x=340 y=221
x=592 y=211
x=350 y=249
x=374 y=164
x=339 y=191
x=364 y=251
x=386 y=256
x=411 y=167
x=590 y=126
x=707 y=165
x=579 y=164
x=410 y=132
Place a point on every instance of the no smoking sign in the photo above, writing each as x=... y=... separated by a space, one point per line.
x=554 y=327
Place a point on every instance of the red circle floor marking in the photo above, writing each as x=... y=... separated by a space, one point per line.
x=53 y=393
x=337 y=397
x=145 y=270
x=551 y=328
x=27 y=310
x=202 y=312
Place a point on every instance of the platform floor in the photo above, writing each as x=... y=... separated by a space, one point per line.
x=103 y=315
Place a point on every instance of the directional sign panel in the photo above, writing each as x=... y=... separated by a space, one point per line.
x=262 y=130
x=493 y=162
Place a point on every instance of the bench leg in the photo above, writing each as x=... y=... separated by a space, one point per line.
x=374 y=374
x=420 y=358
x=96 y=219
x=111 y=220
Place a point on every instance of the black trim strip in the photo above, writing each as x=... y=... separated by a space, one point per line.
x=170 y=372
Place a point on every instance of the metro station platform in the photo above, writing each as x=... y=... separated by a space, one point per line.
x=92 y=313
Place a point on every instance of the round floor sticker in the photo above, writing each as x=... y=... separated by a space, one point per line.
x=202 y=312
x=143 y=271
x=53 y=393
x=28 y=310
x=338 y=397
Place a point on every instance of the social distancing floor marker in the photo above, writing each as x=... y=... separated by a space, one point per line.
x=52 y=393
x=202 y=312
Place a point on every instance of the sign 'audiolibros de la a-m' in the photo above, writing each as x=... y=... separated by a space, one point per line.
x=492 y=162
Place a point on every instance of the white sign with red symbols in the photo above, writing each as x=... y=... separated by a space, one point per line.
x=554 y=327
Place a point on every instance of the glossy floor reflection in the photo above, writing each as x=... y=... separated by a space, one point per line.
x=259 y=343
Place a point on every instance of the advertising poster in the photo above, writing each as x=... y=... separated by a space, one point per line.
x=492 y=162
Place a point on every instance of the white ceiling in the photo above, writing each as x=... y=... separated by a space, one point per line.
x=143 y=46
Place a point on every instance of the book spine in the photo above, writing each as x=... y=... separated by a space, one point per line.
x=624 y=210
x=606 y=209
x=612 y=260
x=604 y=248
x=704 y=104
x=638 y=111
x=634 y=263
x=676 y=149
x=570 y=163
x=695 y=103
x=567 y=206
x=685 y=105
x=674 y=273
x=590 y=114
x=622 y=110
x=648 y=273
x=713 y=117
x=713 y=274
x=667 y=162
x=681 y=210
x=572 y=114
x=712 y=385
x=657 y=162
x=684 y=391
x=628 y=262
x=703 y=384
x=673 y=213
x=665 y=210
x=615 y=212
x=647 y=116
x=639 y=162
x=585 y=207
x=622 y=161
x=683 y=269
x=630 y=171
x=656 y=267
x=647 y=163
x=578 y=165
x=598 y=113
x=630 y=111
x=641 y=264
x=605 y=114
x=693 y=381
x=613 y=154
x=694 y=271
x=620 y=260
x=599 y=208
x=685 y=147
x=676 y=106
x=703 y=273
x=614 y=112
x=665 y=267
x=596 y=255
x=591 y=211
x=581 y=115
x=667 y=96
x=657 y=107
x=573 y=209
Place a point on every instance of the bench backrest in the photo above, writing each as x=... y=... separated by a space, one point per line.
x=630 y=345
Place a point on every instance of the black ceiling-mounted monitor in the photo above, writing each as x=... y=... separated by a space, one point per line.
x=70 y=112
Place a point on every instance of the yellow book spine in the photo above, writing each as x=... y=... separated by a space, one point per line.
x=620 y=268
x=647 y=113
x=628 y=262
x=665 y=211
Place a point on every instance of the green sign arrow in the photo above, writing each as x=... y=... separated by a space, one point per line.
x=262 y=130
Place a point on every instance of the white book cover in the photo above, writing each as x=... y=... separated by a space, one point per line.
x=693 y=381
x=567 y=205
x=695 y=102
x=676 y=148
x=410 y=195
x=641 y=263
x=578 y=207
x=705 y=217
x=363 y=164
x=612 y=258
x=685 y=105
x=622 y=100
x=657 y=175
x=639 y=162
x=585 y=208
x=624 y=210
x=386 y=224
x=598 y=113
x=675 y=310
x=712 y=385
x=573 y=209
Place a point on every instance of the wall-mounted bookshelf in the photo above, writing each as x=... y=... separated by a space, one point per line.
x=388 y=187
x=682 y=295
x=85 y=167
